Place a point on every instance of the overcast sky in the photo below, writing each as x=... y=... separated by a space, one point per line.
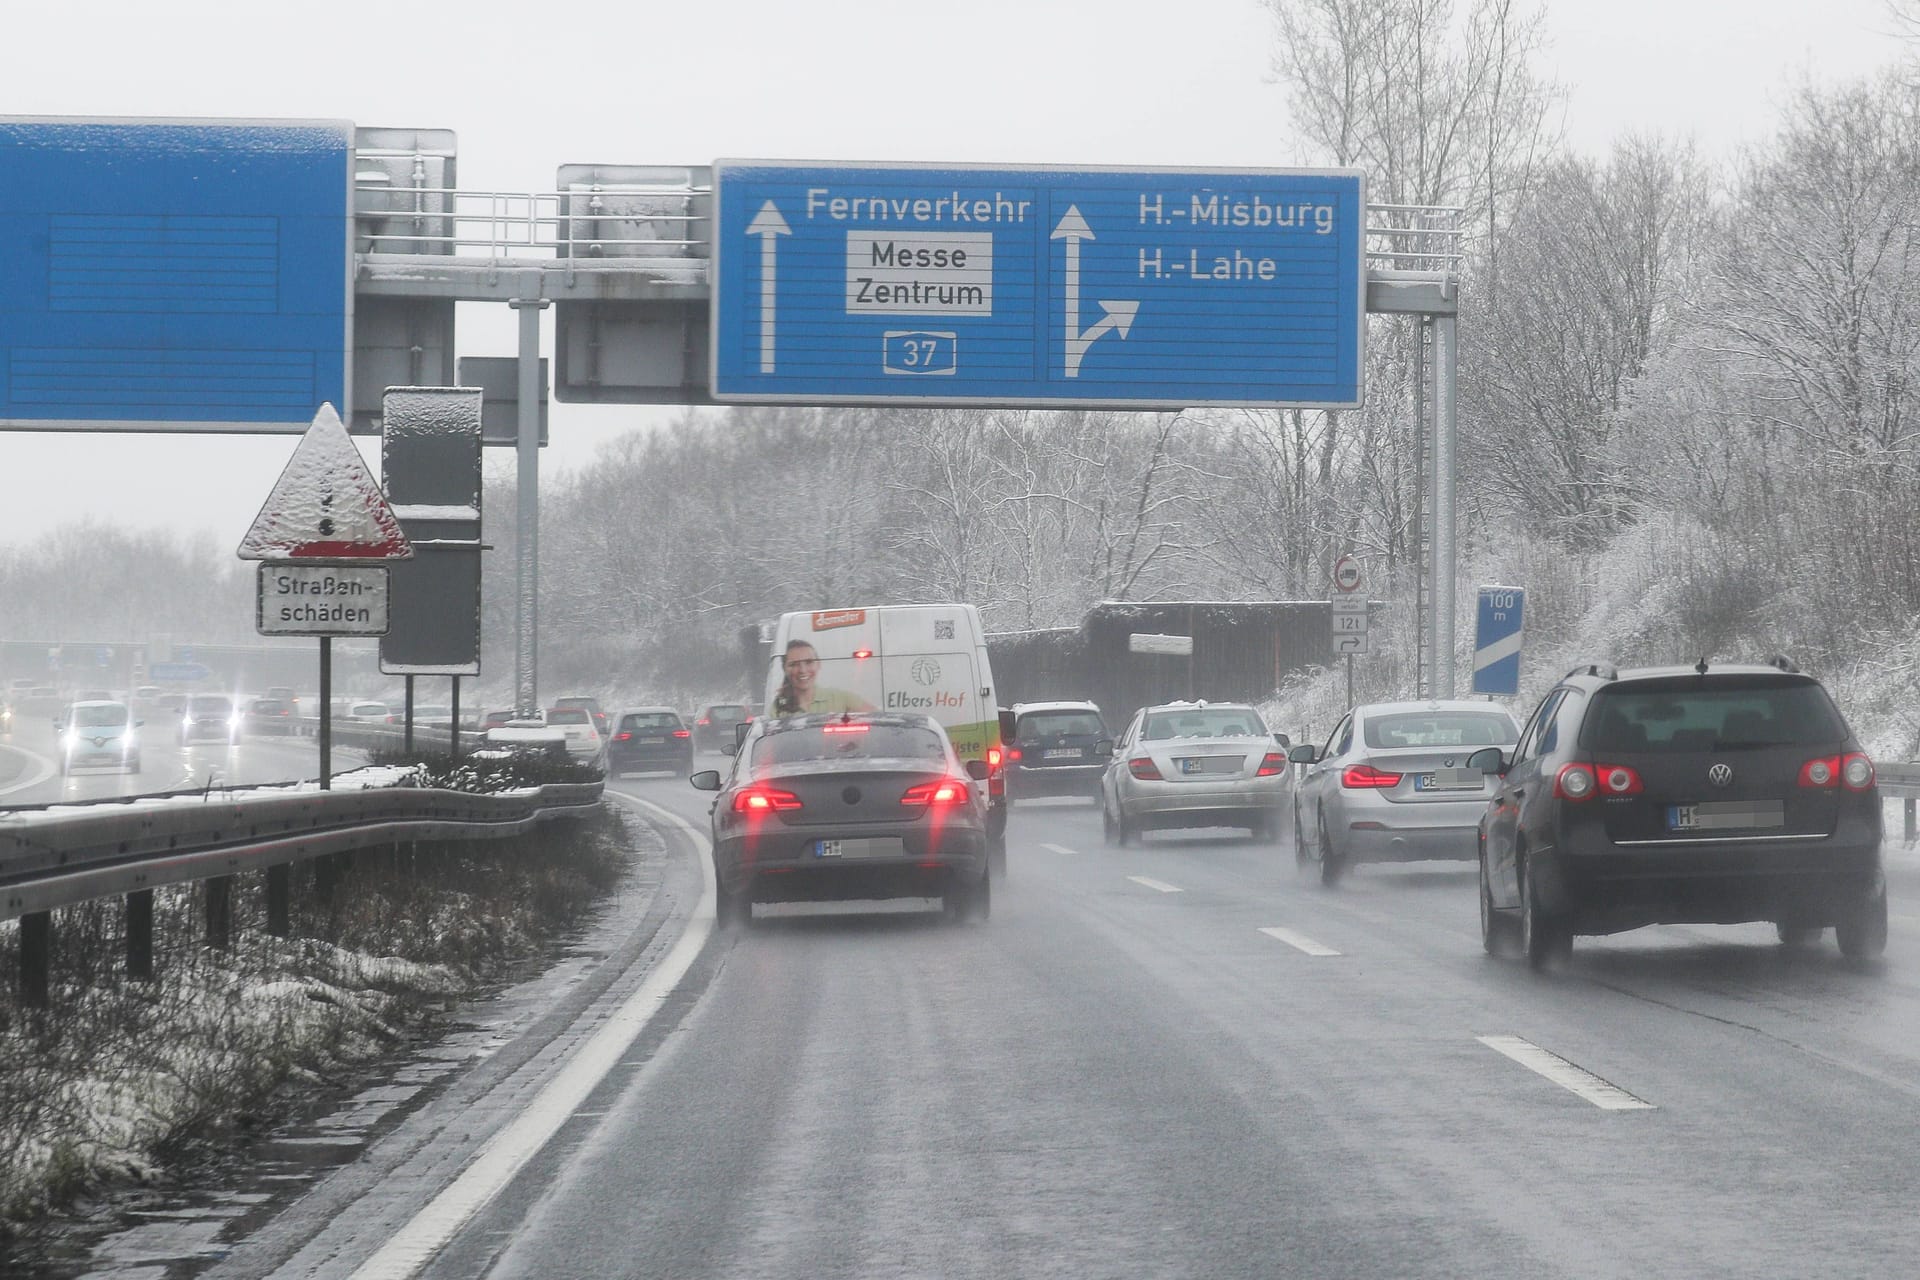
x=529 y=87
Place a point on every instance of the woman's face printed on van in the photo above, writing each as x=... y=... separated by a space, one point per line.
x=802 y=667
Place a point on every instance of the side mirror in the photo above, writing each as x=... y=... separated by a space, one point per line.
x=1006 y=725
x=705 y=780
x=138 y=723
x=977 y=770
x=58 y=725
x=1489 y=760
x=1283 y=739
x=740 y=732
x=1104 y=747
x=1302 y=754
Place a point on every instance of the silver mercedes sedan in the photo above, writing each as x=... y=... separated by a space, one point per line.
x=1196 y=764
x=1391 y=784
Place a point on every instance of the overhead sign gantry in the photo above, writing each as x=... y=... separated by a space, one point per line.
x=946 y=284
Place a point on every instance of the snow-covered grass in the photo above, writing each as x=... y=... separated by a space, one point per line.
x=118 y=1078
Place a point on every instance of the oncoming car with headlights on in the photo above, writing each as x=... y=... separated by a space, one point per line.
x=98 y=732
x=848 y=805
x=1196 y=764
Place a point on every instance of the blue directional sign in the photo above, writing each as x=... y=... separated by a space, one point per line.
x=178 y=671
x=1497 y=636
x=179 y=275
x=946 y=284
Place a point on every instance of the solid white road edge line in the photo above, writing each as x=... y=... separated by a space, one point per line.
x=415 y=1244
x=1160 y=885
x=39 y=772
x=1607 y=1097
x=1057 y=848
x=1300 y=941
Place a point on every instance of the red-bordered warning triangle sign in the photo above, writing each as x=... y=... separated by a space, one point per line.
x=326 y=505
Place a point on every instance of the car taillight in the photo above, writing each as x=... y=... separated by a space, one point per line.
x=764 y=800
x=1013 y=753
x=1365 y=776
x=1854 y=771
x=622 y=736
x=1145 y=769
x=1616 y=780
x=1573 y=782
x=1274 y=763
x=678 y=733
x=994 y=757
x=703 y=720
x=946 y=791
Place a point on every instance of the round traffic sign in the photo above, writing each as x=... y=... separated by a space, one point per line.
x=1346 y=574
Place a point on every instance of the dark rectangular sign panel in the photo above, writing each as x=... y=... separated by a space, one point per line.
x=190 y=275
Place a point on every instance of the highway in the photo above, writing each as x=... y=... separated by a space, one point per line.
x=30 y=763
x=1180 y=1059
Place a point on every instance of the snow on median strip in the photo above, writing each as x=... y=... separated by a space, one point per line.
x=1160 y=886
x=1606 y=1096
x=1300 y=942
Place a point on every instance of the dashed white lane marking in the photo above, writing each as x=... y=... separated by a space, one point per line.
x=1160 y=885
x=1607 y=1097
x=1057 y=848
x=415 y=1244
x=1300 y=942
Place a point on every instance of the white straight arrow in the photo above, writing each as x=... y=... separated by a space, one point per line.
x=769 y=226
x=1117 y=317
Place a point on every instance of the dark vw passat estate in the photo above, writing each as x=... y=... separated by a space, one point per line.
x=1707 y=794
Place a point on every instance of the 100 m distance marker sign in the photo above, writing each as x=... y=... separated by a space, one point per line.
x=949 y=284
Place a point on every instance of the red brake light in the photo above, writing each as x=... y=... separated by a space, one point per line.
x=845 y=728
x=1365 y=776
x=1574 y=782
x=946 y=791
x=1143 y=768
x=763 y=800
x=1013 y=753
x=678 y=733
x=994 y=756
x=623 y=736
x=703 y=720
x=1274 y=763
x=863 y=653
x=1823 y=772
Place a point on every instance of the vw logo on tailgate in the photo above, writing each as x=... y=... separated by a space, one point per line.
x=1720 y=775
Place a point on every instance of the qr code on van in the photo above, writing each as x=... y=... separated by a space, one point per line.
x=943 y=629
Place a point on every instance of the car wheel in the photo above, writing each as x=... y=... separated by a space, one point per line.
x=997 y=856
x=1794 y=934
x=1108 y=831
x=1300 y=859
x=731 y=910
x=964 y=903
x=1496 y=930
x=1544 y=937
x=1333 y=863
x=1123 y=834
x=1268 y=832
x=1862 y=932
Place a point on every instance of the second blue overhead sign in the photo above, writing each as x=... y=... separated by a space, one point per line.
x=948 y=284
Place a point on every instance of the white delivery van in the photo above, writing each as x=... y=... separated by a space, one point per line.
x=927 y=658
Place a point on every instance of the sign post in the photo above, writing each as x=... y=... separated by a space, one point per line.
x=954 y=284
x=322 y=535
x=1498 y=632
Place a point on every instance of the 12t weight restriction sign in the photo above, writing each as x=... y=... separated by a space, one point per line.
x=1349 y=618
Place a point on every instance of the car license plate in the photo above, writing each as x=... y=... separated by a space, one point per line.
x=1191 y=764
x=861 y=847
x=1060 y=753
x=652 y=742
x=1448 y=780
x=1726 y=815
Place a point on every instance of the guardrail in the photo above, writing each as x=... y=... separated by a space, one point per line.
x=1902 y=780
x=51 y=858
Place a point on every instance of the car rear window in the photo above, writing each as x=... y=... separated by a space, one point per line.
x=1044 y=724
x=270 y=707
x=849 y=742
x=650 y=720
x=1440 y=729
x=568 y=715
x=1727 y=714
x=729 y=712
x=1204 y=722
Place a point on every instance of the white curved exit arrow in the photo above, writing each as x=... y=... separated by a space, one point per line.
x=1117 y=317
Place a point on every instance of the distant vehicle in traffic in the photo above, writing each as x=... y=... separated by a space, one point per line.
x=1681 y=795
x=98 y=732
x=1196 y=764
x=1392 y=784
x=713 y=726
x=268 y=715
x=209 y=716
x=591 y=705
x=583 y=737
x=366 y=712
x=649 y=738
x=849 y=805
x=1058 y=749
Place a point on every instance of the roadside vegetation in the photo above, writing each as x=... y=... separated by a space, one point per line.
x=121 y=1080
